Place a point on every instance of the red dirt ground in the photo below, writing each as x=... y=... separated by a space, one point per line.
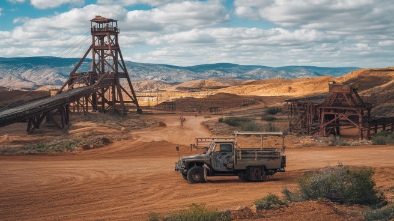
x=129 y=179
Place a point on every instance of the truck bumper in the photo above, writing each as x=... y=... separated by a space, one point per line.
x=180 y=168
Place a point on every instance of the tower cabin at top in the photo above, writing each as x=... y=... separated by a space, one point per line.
x=101 y=24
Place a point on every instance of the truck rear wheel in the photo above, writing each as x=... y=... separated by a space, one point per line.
x=196 y=175
x=243 y=176
x=254 y=173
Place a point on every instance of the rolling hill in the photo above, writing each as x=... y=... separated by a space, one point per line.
x=34 y=72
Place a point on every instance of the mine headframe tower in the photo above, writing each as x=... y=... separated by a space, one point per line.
x=107 y=71
x=343 y=107
x=324 y=116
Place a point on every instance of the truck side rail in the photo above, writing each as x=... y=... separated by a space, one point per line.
x=204 y=142
x=248 y=153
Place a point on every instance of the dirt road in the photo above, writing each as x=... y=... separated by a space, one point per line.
x=129 y=179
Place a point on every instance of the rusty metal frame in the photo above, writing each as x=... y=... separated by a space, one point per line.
x=341 y=107
x=107 y=60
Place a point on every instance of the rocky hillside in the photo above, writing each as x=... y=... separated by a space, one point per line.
x=33 y=72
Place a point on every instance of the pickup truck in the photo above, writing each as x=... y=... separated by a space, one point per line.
x=224 y=157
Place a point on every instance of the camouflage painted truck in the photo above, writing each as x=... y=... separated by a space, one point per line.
x=225 y=157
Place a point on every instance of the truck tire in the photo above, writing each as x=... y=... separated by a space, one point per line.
x=196 y=175
x=243 y=176
x=263 y=177
x=184 y=176
x=254 y=173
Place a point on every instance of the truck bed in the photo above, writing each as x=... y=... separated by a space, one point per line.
x=269 y=157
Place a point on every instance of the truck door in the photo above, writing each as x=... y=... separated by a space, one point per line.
x=222 y=157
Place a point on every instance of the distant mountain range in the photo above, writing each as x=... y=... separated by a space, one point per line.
x=33 y=72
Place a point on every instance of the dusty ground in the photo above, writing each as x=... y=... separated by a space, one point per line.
x=134 y=176
x=129 y=179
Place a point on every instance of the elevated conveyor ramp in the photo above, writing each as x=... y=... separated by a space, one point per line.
x=38 y=107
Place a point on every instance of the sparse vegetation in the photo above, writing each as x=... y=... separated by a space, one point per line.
x=383 y=214
x=338 y=184
x=268 y=118
x=270 y=127
x=66 y=144
x=269 y=202
x=383 y=138
x=338 y=141
x=243 y=123
x=196 y=212
x=42 y=147
x=235 y=121
x=273 y=110
x=250 y=126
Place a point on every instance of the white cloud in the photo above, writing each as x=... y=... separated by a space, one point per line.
x=1 y=11
x=177 y=16
x=337 y=16
x=16 y=1
x=134 y=2
x=236 y=45
x=20 y=20
x=45 y=4
x=50 y=35
x=302 y=32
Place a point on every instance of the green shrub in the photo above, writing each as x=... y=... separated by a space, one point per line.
x=268 y=202
x=338 y=141
x=381 y=214
x=154 y=217
x=273 y=110
x=236 y=121
x=268 y=118
x=390 y=138
x=383 y=138
x=197 y=213
x=342 y=185
x=250 y=126
x=379 y=140
x=292 y=196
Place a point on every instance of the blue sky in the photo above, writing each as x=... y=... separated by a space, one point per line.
x=262 y=32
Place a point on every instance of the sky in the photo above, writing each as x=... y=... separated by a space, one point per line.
x=326 y=33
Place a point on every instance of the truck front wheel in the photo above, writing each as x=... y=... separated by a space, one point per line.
x=196 y=175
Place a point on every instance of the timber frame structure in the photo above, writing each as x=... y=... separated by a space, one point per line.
x=108 y=66
x=326 y=115
x=102 y=88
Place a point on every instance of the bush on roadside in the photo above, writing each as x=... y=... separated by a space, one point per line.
x=273 y=110
x=42 y=147
x=195 y=213
x=235 y=121
x=269 y=202
x=295 y=196
x=250 y=126
x=268 y=118
x=383 y=138
x=340 y=184
x=380 y=214
x=338 y=141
